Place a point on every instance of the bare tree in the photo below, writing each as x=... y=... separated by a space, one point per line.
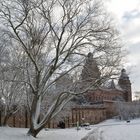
x=53 y=37
x=11 y=93
x=137 y=95
x=128 y=110
x=11 y=90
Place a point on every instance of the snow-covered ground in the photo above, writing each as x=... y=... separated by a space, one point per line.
x=108 y=130
x=8 y=133
x=116 y=130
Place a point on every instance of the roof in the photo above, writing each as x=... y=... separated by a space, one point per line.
x=96 y=106
x=111 y=85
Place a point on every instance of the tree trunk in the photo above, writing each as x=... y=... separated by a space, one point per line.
x=33 y=132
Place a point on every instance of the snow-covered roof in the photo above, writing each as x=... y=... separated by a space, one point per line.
x=111 y=85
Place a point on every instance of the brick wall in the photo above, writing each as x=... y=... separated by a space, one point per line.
x=88 y=114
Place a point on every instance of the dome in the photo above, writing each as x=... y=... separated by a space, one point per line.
x=123 y=74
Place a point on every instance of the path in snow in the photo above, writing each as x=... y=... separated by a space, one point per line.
x=116 y=131
x=96 y=134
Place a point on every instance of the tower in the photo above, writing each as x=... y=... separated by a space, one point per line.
x=90 y=72
x=64 y=82
x=125 y=84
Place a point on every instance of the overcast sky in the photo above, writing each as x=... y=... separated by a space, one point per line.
x=127 y=14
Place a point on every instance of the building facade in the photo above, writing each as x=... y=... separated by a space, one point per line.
x=113 y=92
x=102 y=99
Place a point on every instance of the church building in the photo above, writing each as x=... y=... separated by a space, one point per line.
x=99 y=104
x=111 y=92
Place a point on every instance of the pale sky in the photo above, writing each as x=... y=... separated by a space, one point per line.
x=127 y=15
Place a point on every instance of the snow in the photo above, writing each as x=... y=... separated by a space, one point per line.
x=108 y=130
x=7 y=133
x=115 y=130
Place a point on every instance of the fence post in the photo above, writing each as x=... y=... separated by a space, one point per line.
x=68 y=121
x=14 y=121
x=26 y=118
x=72 y=119
x=49 y=124
x=0 y=117
x=79 y=116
